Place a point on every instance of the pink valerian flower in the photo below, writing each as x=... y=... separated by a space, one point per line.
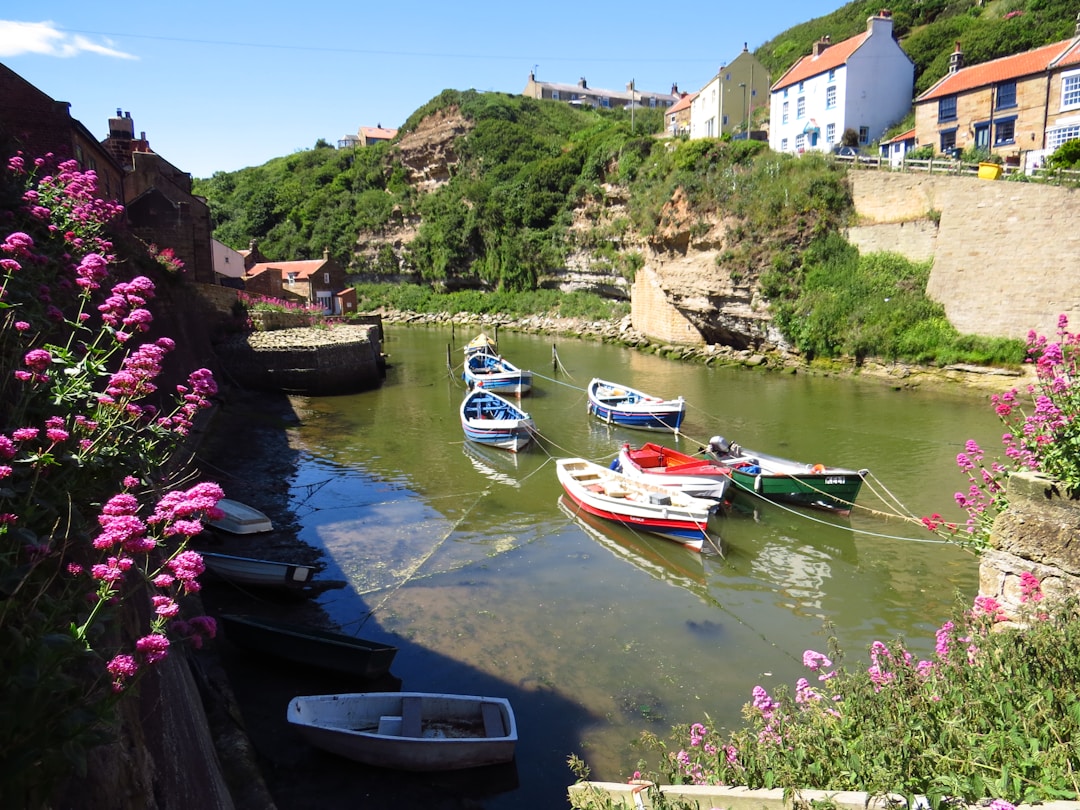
x=17 y=244
x=165 y=606
x=200 y=500
x=763 y=703
x=988 y=607
x=92 y=270
x=805 y=693
x=125 y=297
x=7 y=447
x=154 y=647
x=186 y=567
x=122 y=668
x=698 y=732
x=38 y=360
x=1001 y=804
x=1030 y=587
x=944 y=637
x=26 y=434
x=112 y=570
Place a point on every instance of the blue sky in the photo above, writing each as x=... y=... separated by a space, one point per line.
x=232 y=83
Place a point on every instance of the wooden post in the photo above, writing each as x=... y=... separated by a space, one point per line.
x=554 y=359
x=449 y=365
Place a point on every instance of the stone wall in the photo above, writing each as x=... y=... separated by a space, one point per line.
x=1005 y=253
x=652 y=313
x=1038 y=533
x=338 y=360
x=917 y=240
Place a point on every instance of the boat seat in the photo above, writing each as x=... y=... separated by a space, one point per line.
x=493 y=721
x=410 y=717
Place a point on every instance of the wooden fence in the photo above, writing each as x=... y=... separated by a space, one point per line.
x=944 y=165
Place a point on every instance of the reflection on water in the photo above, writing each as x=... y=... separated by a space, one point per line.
x=465 y=556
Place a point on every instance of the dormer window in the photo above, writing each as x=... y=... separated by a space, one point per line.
x=291 y=278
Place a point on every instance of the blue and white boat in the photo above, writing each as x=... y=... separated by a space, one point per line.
x=491 y=371
x=627 y=407
x=490 y=420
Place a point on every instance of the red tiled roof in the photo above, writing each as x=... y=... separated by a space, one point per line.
x=832 y=57
x=903 y=136
x=1070 y=57
x=1016 y=66
x=377 y=133
x=682 y=103
x=302 y=269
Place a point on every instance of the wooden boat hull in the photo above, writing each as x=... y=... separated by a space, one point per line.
x=250 y=571
x=613 y=496
x=493 y=372
x=780 y=479
x=310 y=646
x=239 y=518
x=415 y=731
x=488 y=419
x=627 y=407
x=701 y=478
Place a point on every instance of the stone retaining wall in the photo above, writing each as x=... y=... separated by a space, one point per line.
x=337 y=360
x=1038 y=533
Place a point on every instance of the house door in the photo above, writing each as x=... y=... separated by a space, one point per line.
x=982 y=136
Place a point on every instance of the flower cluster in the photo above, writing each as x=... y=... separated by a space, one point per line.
x=987 y=697
x=167 y=258
x=91 y=522
x=1042 y=435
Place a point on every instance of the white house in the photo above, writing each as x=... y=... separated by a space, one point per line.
x=894 y=149
x=864 y=83
x=228 y=263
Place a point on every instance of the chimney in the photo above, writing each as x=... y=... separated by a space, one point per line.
x=882 y=21
x=744 y=48
x=821 y=45
x=956 y=59
x=581 y=83
x=1078 y=24
x=674 y=88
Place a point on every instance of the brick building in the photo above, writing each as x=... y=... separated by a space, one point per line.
x=321 y=282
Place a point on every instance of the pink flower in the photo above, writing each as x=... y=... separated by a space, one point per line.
x=122 y=668
x=38 y=360
x=154 y=647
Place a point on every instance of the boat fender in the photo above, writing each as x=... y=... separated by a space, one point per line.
x=818 y=468
x=615 y=465
x=757 y=484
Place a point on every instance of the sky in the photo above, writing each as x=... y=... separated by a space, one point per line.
x=218 y=86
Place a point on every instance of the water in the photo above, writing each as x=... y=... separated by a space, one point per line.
x=467 y=560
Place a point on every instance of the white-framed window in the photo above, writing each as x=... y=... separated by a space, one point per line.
x=801 y=84
x=1056 y=137
x=1070 y=89
x=832 y=74
x=864 y=135
x=292 y=278
x=554 y=95
x=830 y=96
x=830 y=133
x=800 y=142
x=783 y=144
x=800 y=107
x=784 y=113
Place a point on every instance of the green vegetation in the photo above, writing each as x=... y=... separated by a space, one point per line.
x=424 y=299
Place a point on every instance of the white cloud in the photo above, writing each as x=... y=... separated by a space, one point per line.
x=44 y=38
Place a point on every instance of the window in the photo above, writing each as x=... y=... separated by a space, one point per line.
x=948 y=140
x=1056 y=137
x=864 y=135
x=725 y=121
x=801 y=86
x=832 y=74
x=784 y=113
x=800 y=143
x=1070 y=90
x=785 y=92
x=800 y=107
x=1006 y=95
x=727 y=77
x=830 y=133
x=830 y=96
x=1004 y=131
x=946 y=109
x=292 y=278
x=783 y=144
x=326 y=278
x=605 y=101
x=554 y=95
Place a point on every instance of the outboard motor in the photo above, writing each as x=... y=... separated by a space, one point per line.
x=719 y=445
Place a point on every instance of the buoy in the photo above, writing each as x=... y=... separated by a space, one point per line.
x=818 y=468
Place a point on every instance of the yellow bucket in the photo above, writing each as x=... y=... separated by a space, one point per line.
x=989 y=171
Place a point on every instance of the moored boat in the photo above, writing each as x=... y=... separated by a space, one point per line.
x=493 y=372
x=252 y=571
x=659 y=510
x=700 y=477
x=312 y=646
x=490 y=420
x=621 y=405
x=415 y=731
x=780 y=479
x=239 y=518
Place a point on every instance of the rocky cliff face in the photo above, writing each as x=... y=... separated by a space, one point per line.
x=696 y=259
